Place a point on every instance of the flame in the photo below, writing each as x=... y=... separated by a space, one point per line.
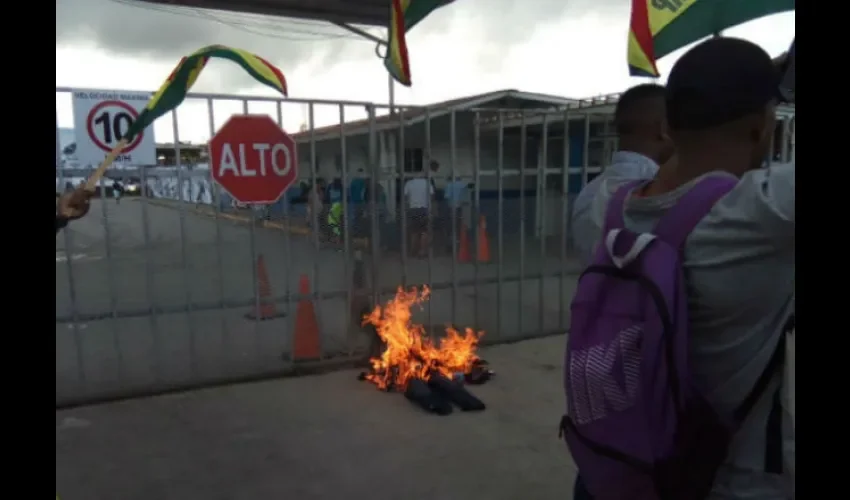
x=409 y=352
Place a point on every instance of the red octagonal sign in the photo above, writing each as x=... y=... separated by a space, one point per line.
x=253 y=159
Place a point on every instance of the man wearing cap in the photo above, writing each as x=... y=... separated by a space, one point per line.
x=739 y=260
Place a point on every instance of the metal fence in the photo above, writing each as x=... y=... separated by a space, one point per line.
x=179 y=288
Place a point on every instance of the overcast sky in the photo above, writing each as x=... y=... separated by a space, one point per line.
x=573 y=48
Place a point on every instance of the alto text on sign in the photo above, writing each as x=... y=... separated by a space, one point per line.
x=235 y=159
x=102 y=118
x=253 y=159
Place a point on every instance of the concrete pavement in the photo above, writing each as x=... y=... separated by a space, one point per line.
x=326 y=437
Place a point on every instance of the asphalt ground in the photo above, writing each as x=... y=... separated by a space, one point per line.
x=326 y=437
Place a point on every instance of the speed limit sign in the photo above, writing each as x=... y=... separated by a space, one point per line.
x=101 y=120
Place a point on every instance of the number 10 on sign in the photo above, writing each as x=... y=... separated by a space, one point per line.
x=113 y=127
x=108 y=121
x=102 y=119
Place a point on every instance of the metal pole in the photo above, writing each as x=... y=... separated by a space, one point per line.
x=391 y=87
x=59 y=153
x=359 y=32
x=381 y=42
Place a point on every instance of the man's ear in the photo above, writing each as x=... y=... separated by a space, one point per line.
x=663 y=130
x=757 y=127
x=664 y=137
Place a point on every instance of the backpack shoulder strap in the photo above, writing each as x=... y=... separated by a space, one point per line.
x=675 y=226
x=614 y=212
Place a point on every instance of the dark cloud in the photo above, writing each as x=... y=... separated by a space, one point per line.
x=164 y=34
x=151 y=31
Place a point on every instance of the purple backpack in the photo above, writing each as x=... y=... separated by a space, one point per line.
x=636 y=426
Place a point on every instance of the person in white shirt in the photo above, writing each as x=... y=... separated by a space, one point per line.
x=419 y=196
x=315 y=205
x=643 y=145
x=457 y=196
x=739 y=261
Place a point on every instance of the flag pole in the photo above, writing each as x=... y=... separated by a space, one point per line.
x=91 y=183
x=391 y=87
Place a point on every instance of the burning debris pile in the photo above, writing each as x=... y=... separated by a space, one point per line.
x=430 y=373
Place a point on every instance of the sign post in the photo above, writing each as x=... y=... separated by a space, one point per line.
x=253 y=159
x=102 y=117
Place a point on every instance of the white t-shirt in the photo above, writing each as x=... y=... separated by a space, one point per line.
x=625 y=165
x=418 y=192
x=740 y=265
x=314 y=201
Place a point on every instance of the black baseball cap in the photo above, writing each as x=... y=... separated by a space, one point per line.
x=718 y=81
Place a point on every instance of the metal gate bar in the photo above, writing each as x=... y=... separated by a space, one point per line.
x=197 y=256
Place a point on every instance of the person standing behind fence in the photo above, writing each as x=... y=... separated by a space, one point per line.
x=442 y=230
x=371 y=230
x=334 y=191
x=357 y=200
x=336 y=222
x=643 y=145
x=456 y=196
x=117 y=191
x=315 y=204
x=739 y=261
x=419 y=196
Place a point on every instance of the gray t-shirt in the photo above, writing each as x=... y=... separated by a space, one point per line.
x=740 y=268
x=625 y=165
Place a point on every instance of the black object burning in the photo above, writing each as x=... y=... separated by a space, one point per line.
x=419 y=392
x=429 y=368
x=454 y=392
x=438 y=394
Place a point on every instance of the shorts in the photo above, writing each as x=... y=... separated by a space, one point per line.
x=417 y=220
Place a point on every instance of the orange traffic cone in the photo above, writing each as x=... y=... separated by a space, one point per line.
x=306 y=345
x=463 y=249
x=483 y=243
x=267 y=308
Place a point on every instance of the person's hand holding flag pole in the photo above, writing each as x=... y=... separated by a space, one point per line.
x=175 y=88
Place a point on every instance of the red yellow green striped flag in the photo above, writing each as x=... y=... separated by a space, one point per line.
x=404 y=15
x=658 y=27
x=173 y=91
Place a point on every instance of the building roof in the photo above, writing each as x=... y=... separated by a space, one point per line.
x=500 y=99
x=184 y=146
x=597 y=108
x=363 y=12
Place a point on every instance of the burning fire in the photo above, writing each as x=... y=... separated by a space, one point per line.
x=409 y=352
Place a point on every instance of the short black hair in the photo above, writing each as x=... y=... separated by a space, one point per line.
x=629 y=103
x=719 y=81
